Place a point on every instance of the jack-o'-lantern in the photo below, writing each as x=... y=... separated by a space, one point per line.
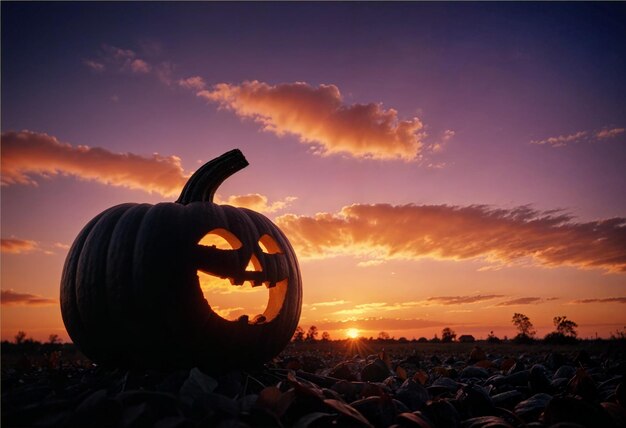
x=130 y=294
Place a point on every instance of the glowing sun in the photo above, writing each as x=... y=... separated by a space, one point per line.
x=352 y=333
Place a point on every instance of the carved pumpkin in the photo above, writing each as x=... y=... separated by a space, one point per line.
x=130 y=294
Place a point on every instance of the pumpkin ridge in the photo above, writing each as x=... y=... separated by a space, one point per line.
x=70 y=312
x=149 y=288
x=91 y=292
x=118 y=282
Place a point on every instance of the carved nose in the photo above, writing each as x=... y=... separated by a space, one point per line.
x=254 y=265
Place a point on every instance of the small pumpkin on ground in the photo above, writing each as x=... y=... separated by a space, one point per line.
x=130 y=293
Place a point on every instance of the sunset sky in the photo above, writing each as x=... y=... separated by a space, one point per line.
x=433 y=164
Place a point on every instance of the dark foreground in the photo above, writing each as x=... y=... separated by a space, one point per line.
x=332 y=384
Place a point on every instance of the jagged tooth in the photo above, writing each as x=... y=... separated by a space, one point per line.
x=259 y=319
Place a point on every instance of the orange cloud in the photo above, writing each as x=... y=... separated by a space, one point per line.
x=603 y=300
x=18 y=246
x=505 y=236
x=12 y=298
x=328 y=303
x=27 y=153
x=382 y=324
x=521 y=301
x=26 y=246
x=256 y=202
x=462 y=300
x=319 y=117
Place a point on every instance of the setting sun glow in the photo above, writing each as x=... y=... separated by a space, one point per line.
x=352 y=333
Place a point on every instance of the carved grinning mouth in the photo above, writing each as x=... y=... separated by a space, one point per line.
x=219 y=254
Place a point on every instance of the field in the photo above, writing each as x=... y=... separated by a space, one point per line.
x=328 y=384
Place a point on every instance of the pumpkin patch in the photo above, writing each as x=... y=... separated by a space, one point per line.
x=130 y=294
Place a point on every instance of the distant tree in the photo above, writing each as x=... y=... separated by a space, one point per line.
x=565 y=333
x=311 y=335
x=298 y=335
x=564 y=326
x=422 y=340
x=54 y=339
x=523 y=325
x=19 y=337
x=435 y=339
x=492 y=338
x=447 y=335
x=383 y=335
x=325 y=336
x=403 y=339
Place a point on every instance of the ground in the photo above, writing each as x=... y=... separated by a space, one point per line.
x=320 y=384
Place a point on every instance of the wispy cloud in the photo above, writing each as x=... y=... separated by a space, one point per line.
x=368 y=307
x=609 y=133
x=15 y=245
x=94 y=65
x=329 y=303
x=521 y=301
x=26 y=154
x=563 y=140
x=380 y=307
x=318 y=116
x=257 y=202
x=439 y=146
x=118 y=59
x=600 y=300
x=580 y=137
x=505 y=236
x=387 y=324
x=140 y=66
x=165 y=72
x=127 y=61
x=462 y=300
x=18 y=246
x=196 y=83
x=13 y=298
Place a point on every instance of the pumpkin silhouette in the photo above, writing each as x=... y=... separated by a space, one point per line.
x=130 y=293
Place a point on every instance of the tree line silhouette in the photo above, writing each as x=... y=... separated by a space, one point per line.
x=564 y=333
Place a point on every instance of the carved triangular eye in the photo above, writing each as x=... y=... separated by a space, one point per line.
x=221 y=239
x=269 y=245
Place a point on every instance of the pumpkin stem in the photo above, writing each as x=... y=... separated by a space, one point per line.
x=202 y=185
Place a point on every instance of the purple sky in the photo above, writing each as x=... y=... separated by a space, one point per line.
x=333 y=104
